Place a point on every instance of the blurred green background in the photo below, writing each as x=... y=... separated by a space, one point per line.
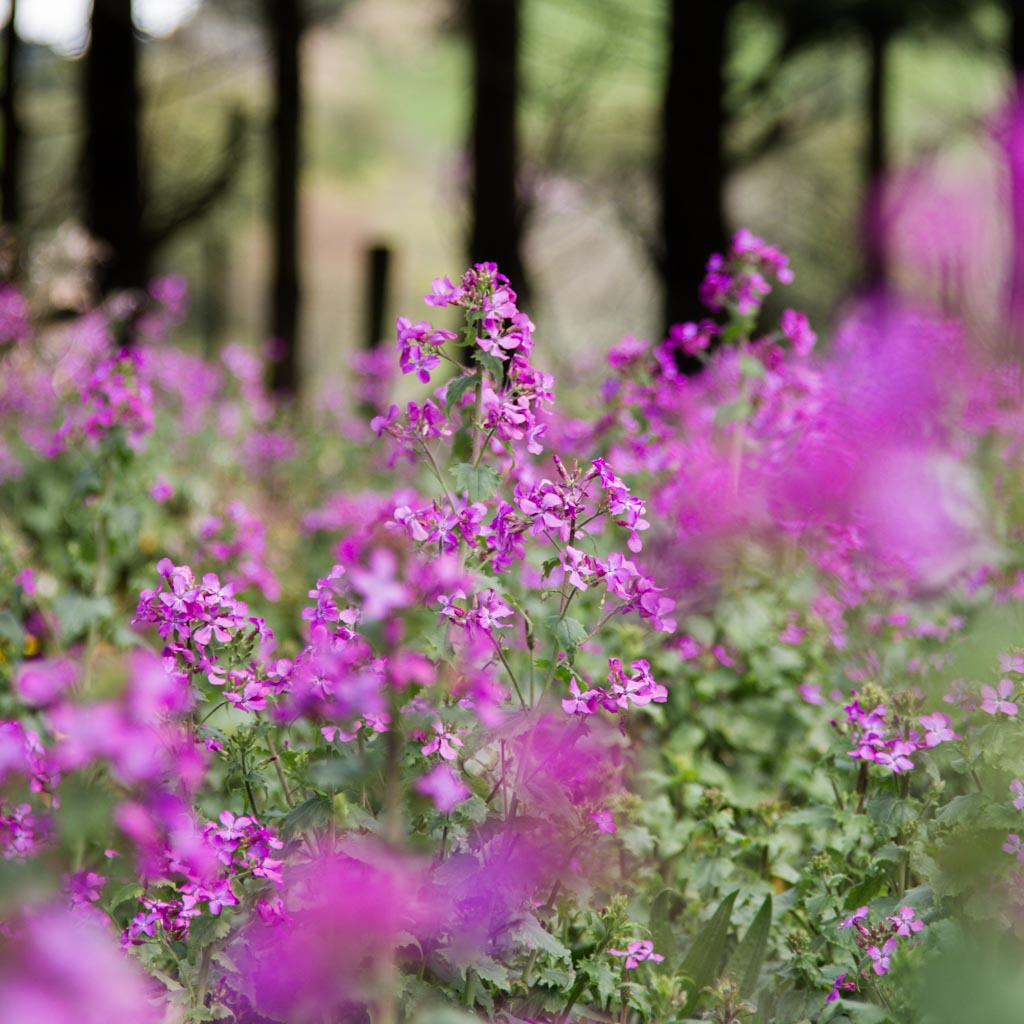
x=386 y=124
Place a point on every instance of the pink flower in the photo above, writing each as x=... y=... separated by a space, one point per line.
x=604 y=821
x=797 y=329
x=636 y=952
x=1017 y=789
x=938 y=729
x=443 y=742
x=858 y=915
x=444 y=787
x=906 y=921
x=882 y=958
x=994 y=703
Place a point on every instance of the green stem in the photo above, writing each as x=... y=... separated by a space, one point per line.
x=508 y=669
x=289 y=798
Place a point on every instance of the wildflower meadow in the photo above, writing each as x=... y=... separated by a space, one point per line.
x=695 y=696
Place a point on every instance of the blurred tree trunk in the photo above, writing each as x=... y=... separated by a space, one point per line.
x=10 y=177
x=111 y=165
x=1013 y=148
x=878 y=36
x=498 y=213
x=285 y=24
x=692 y=168
x=1015 y=10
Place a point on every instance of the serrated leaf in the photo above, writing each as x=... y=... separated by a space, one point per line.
x=529 y=931
x=121 y=894
x=205 y=929
x=310 y=813
x=457 y=387
x=479 y=482
x=704 y=961
x=489 y=970
x=745 y=965
x=492 y=364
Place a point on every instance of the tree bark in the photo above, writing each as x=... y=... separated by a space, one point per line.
x=284 y=20
x=111 y=166
x=10 y=177
x=877 y=155
x=498 y=212
x=692 y=166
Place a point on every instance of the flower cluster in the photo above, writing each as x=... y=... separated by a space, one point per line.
x=116 y=395
x=638 y=689
x=879 y=941
x=195 y=615
x=882 y=735
x=223 y=855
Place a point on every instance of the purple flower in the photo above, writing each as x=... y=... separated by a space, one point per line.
x=840 y=985
x=938 y=729
x=444 y=787
x=1014 y=846
x=1017 y=789
x=906 y=921
x=443 y=742
x=994 y=703
x=796 y=328
x=636 y=952
x=882 y=958
x=858 y=915
x=603 y=819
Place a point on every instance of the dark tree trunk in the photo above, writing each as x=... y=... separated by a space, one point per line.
x=497 y=210
x=877 y=156
x=10 y=179
x=378 y=273
x=1016 y=13
x=1013 y=148
x=111 y=165
x=284 y=19
x=692 y=167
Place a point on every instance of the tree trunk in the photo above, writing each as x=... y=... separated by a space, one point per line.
x=1016 y=13
x=111 y=164
x=497 y=211
x=10 y=177
x=877 y=156
x=692 y=167
x=284 y=20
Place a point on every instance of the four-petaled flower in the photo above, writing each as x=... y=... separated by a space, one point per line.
x=882 y=958
x=906 y=921
x=636 y=952
x=994 y=702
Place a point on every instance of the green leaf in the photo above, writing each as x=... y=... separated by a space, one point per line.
x=76 y=613
x=310 y=813
x=660 y=926
x=745 y=965
x=204 y=930
x=121 y=894
x=732 y=412
x=532 y=934
x=492 y=364
x=703 y=962
x=751 y=367
x=458 y=386
x=567 y=632
x=479 y=482
x=864 y=891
